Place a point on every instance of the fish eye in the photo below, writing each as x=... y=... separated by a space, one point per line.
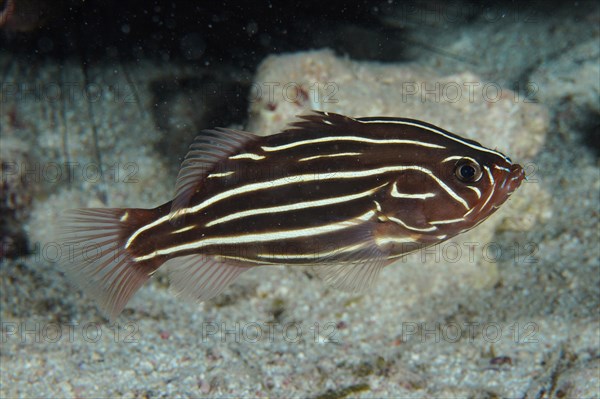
x=467 y=171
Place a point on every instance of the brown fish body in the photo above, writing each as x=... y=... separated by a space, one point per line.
x=346 y=195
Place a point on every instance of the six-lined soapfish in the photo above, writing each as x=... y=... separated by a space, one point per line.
x=347 y=196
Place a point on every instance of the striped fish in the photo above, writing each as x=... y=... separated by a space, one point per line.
x=347 y=196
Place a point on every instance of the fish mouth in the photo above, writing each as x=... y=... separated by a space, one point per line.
x=507 y=181
x=513 y=180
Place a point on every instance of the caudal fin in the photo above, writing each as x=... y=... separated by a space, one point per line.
x=98 y=261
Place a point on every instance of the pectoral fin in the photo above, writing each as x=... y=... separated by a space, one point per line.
x=200 y=277
x=355 y=269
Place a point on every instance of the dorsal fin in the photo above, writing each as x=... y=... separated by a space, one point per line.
x=207 y=149
x=319 y=121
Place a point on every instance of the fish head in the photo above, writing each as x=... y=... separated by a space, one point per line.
x=443 y=184
x=477 y=184
x=495 y=176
